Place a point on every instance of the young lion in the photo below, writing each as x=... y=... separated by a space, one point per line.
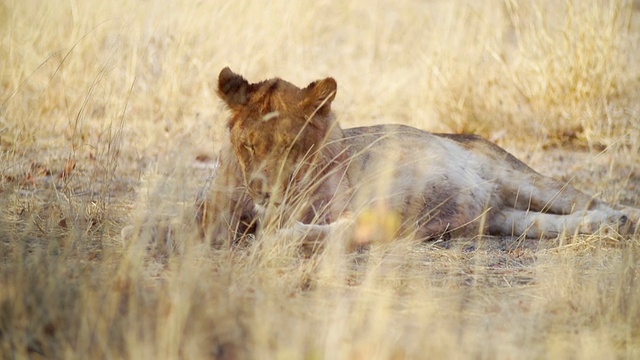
x=289 y=165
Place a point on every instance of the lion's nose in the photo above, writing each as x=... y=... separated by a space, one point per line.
x=258 y=185
x=261 y=193
x=262 y=198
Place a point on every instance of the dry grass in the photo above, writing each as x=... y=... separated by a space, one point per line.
x=108 y=112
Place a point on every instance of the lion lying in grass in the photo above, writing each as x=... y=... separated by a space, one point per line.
x=289 y=166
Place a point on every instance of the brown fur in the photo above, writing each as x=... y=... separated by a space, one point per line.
x=288 y=164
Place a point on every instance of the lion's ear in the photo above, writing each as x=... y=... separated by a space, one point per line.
x=233 y=88
x=319 y=95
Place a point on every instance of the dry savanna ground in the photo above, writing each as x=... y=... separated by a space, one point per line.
x=109 y=118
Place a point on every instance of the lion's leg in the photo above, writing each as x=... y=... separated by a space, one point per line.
x=535 y=224
x=315 y=234
x=534 y=192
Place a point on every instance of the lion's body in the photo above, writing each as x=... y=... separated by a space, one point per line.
x=289 y=163
x=431 y=192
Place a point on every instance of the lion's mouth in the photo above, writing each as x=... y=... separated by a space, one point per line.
x=261 y=208
x=266 y=202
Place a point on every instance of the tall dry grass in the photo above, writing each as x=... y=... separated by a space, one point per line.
x=108 y=119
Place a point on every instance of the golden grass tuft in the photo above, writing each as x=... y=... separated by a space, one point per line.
x=109 y=119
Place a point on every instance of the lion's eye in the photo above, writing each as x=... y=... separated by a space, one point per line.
x=248 y=146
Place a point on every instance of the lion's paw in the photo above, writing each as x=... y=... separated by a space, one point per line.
x=606 y=222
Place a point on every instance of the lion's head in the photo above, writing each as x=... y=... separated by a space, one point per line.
x=284 y=137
